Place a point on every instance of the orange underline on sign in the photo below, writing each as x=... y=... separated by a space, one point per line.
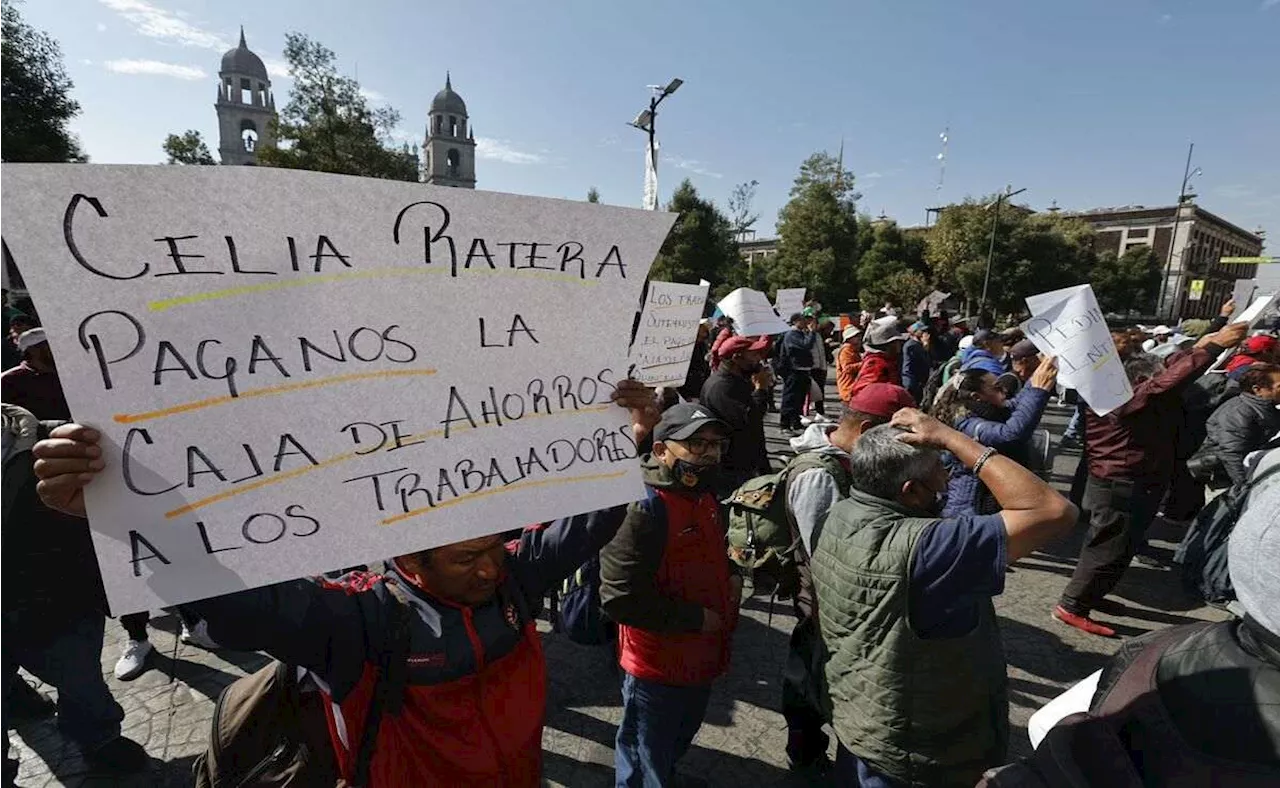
x=498 y=491
x=284 y=388
x=279 y=477
x=406 y=441
x=409 y=440
x=372 y=273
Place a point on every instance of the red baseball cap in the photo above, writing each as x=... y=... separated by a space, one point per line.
x=881 y=399
x=738 y=344
x=1261 y=344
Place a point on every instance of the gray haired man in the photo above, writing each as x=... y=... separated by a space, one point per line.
x=916 y=673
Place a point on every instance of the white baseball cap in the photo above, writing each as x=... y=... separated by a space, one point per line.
x=30 y=338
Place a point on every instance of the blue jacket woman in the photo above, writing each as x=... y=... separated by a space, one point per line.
x=974 y=404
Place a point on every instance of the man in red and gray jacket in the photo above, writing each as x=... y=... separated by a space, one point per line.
x=475 y=698
x=666 y=580
x=1131 y=456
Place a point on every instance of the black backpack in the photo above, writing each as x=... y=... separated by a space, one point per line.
x=270 y=732
x=1203 y=551
x=1127 y=725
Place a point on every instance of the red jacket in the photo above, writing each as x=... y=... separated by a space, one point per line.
x=876 y=368
x=694 y=569
x=476 y=695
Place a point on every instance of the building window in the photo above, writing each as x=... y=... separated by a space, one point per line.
x=246 y=92
x=248 y=135
x=452 y=166
x=453 y=126
x=1138 y=232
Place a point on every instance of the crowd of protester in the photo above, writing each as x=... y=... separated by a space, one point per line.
x=900 y=518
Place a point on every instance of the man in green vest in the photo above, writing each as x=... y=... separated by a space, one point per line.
x=817 y=477
x=916 y=673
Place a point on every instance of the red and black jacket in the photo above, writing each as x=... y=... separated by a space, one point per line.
x=476 y=695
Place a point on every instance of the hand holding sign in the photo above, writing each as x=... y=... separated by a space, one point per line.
x=1045 y=377
x=1068 y=324
x=288 y=372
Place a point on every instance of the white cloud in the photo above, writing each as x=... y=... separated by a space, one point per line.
x=871 y=176
x=102 y=28
x=1268 y=4
x=372 y=95
x=154 y=22
x=155 y=68
x=692 y=165
x=506 y=152
x=1164 y=18
x=277 y=69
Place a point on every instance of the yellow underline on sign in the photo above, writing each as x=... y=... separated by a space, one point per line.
x=279 y=477
x=406 y=441
x=284 y=388
x=373 y=273
x=498 y=491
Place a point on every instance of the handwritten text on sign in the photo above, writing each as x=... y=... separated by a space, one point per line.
x=296 y=371
x=1068 y=324
x=668 y=330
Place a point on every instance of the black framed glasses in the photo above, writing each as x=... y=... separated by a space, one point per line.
x=700 y=446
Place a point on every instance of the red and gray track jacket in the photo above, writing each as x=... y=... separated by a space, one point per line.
x=476 y=696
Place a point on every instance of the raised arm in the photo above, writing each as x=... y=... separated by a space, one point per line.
x=1033 y=512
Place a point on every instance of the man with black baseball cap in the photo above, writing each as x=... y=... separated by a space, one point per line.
x=666 y=580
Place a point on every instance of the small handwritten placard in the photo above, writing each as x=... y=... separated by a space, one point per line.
x=668 y=331
x=296 y=371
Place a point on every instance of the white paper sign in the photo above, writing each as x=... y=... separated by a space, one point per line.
x=790 y=301
x=1068 y=324
x=295 y=372
x=1242 y=291
x=668 y=330
x=752 y=313
x=1251 y=315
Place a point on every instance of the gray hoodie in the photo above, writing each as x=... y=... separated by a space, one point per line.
x=810 y=493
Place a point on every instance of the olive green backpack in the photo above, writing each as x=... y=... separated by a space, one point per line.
x=762 y=534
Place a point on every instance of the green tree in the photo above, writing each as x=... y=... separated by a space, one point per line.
x=187 y=148
x=822 y=167
x=884 y=270
x=903 y=288
x=700 y=245
x=818 y=234
x=1129 y=281
x=1034 y=253
x=593 y=194
x=35 y=97
x=740 y=202
x=328 y=125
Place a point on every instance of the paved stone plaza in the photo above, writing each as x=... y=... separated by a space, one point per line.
x=168 y=709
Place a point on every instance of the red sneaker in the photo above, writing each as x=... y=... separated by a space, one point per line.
x=1082 y=623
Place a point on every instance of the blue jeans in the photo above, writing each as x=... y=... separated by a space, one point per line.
x=1073 y=426
x=659 y=722
x=71 y=660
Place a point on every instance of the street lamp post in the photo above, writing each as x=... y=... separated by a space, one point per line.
x=1187 y=175
x=646 y=121
x=991 y=250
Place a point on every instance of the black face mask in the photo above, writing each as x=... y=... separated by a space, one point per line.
x=692 y=476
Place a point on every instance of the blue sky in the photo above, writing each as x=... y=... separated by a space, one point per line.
x=1088 y=103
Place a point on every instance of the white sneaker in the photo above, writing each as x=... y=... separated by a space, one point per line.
x=199 y=636
x=133 y=661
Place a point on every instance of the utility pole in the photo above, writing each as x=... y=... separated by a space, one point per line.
x=991 y=250
x=1187 y=174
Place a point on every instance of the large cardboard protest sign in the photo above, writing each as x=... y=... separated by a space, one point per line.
x=668 y=330
x=752 y=313
x=1068 y=324
x=789 y=301
x=295 y=371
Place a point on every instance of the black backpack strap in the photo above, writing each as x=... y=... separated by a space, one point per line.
x=388 y=692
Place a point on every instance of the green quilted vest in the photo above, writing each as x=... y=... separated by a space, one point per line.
x=928 y=712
